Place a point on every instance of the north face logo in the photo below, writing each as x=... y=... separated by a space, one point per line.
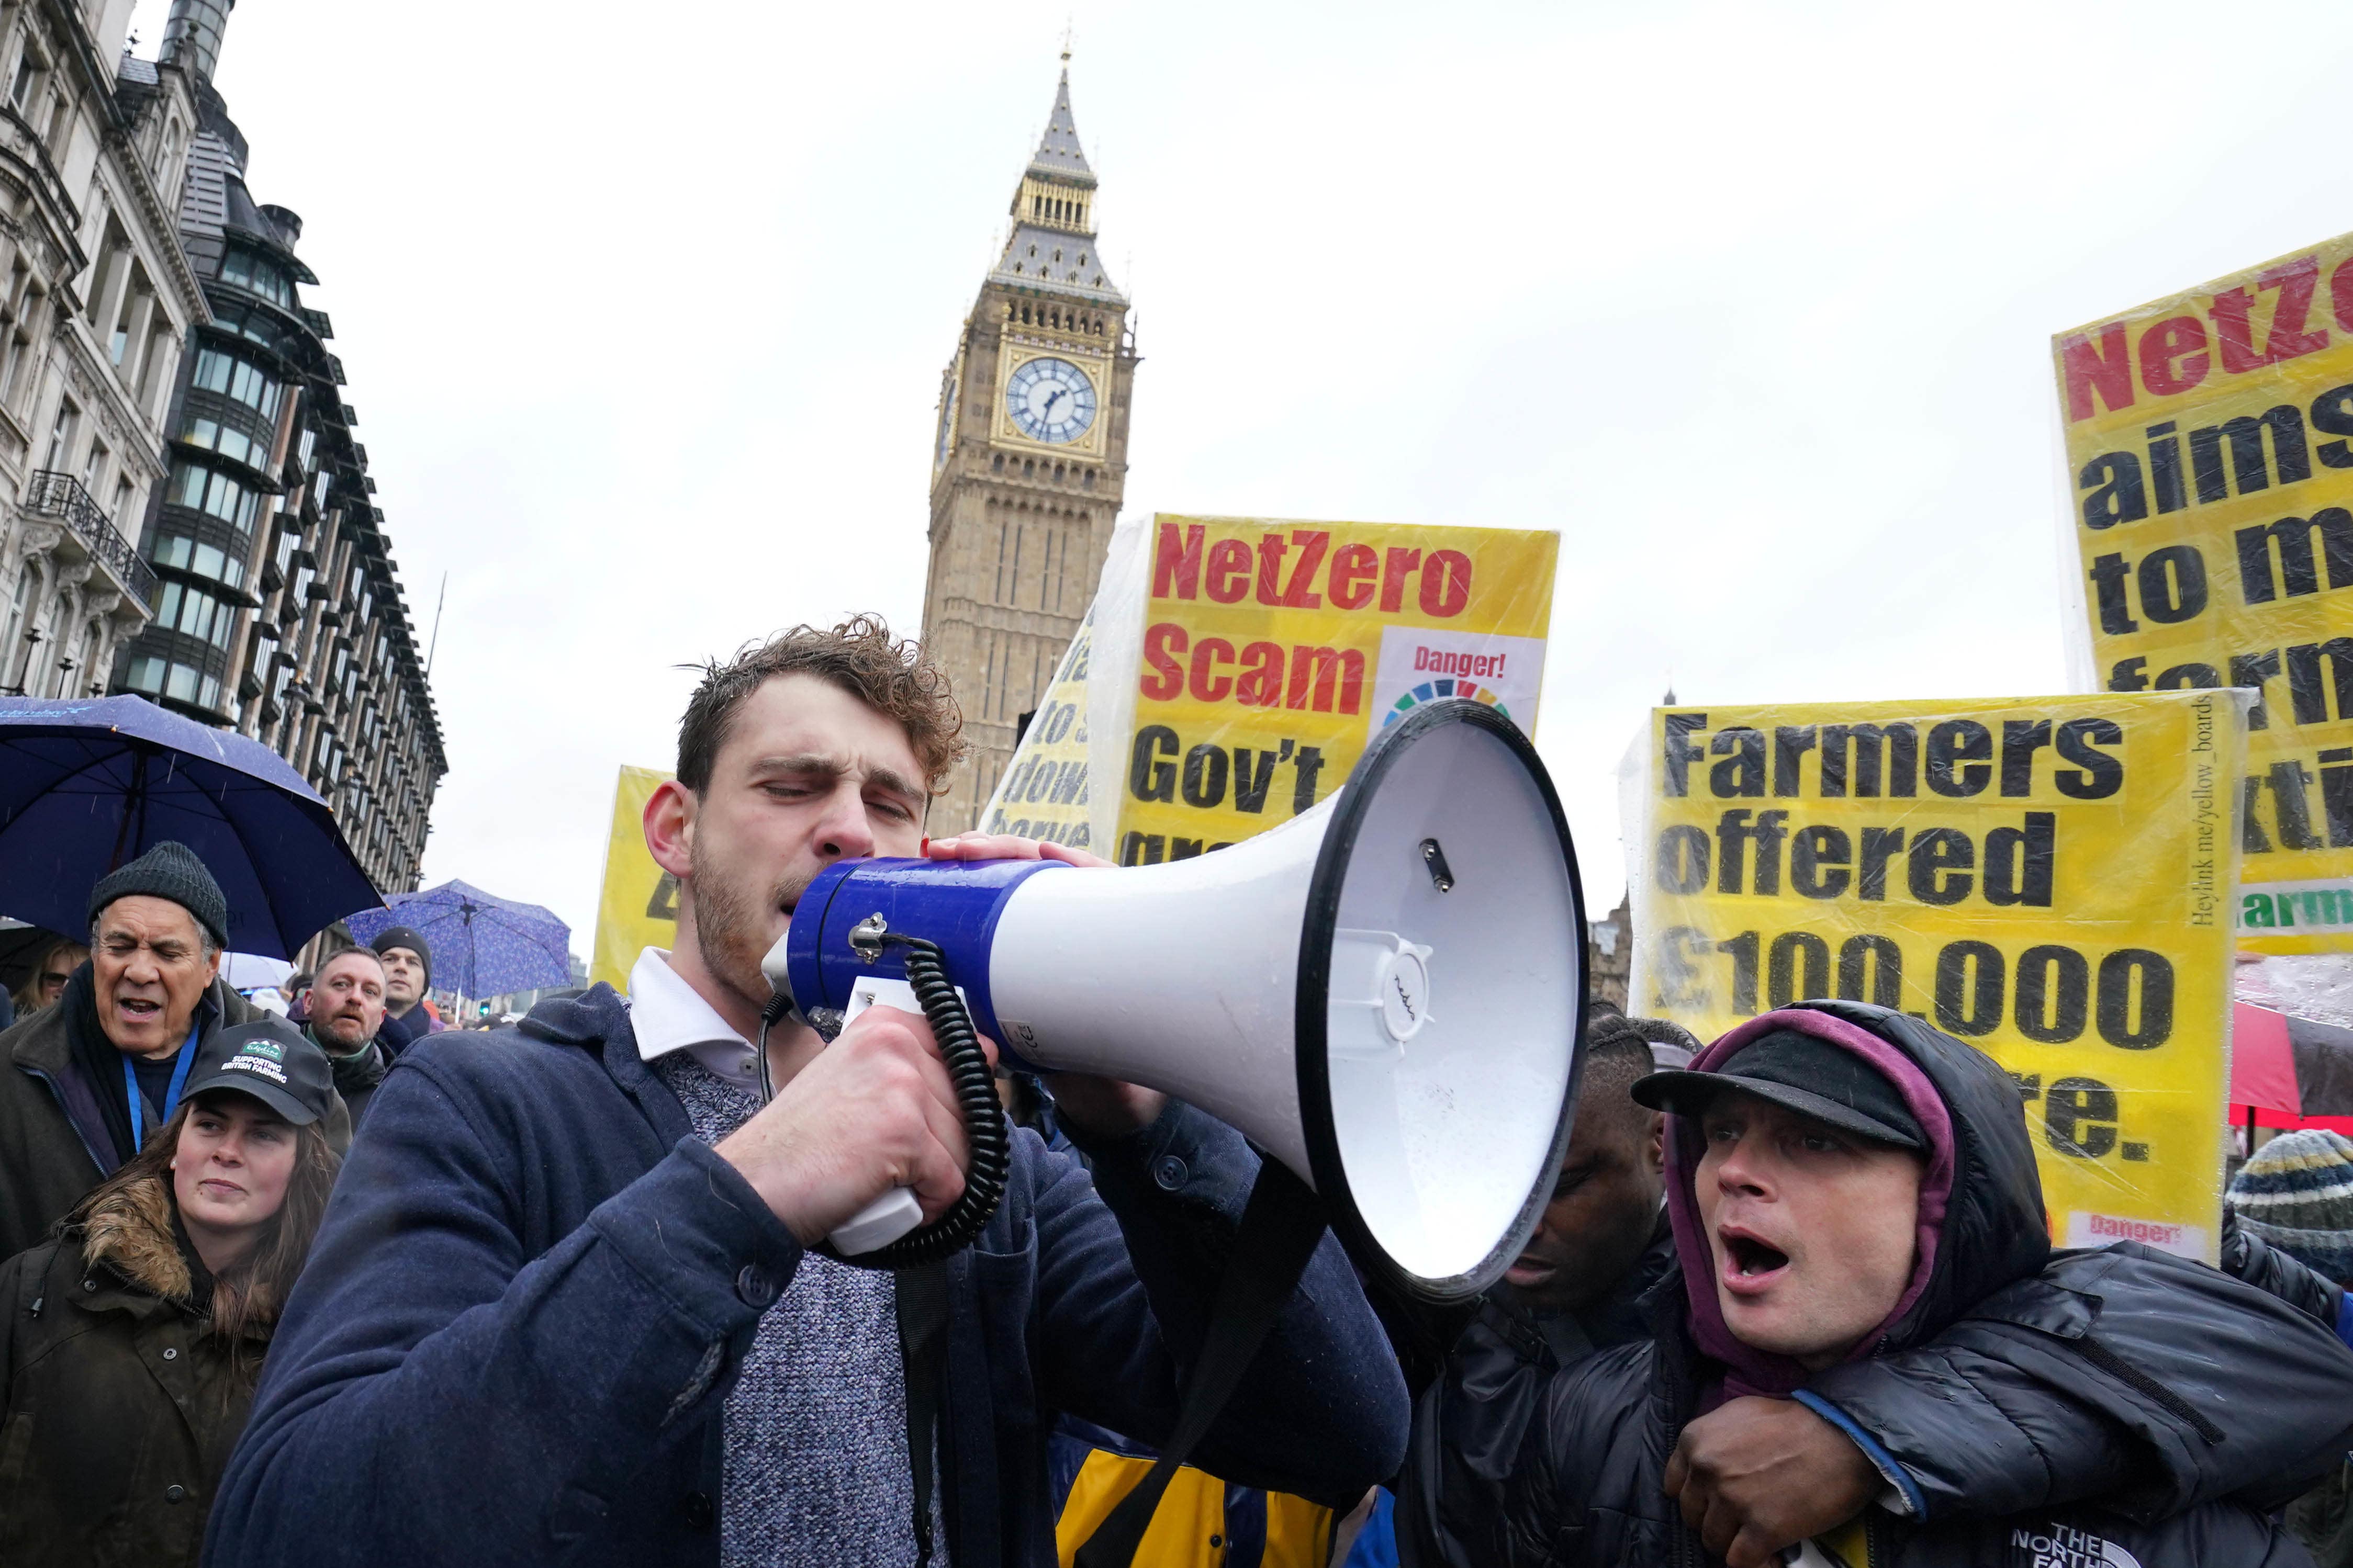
x=2064 y=1546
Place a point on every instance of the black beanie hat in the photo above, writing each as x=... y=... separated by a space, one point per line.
x=169 y=870
x=406 y=936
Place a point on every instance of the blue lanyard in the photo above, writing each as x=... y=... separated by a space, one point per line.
x=171 y=1096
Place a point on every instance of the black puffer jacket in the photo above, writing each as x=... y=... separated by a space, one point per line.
x=1470 y=1418
x=2160 y=1456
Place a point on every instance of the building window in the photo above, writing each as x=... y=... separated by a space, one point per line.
x=248 y=384
x=257 y=325
x=227 y=440
x=180 y=682
x=191 y=610
x=61 y=434
x=205 y=491
x=26 y=580
x=28 y=79
x=24 y=300
x=256 y=274
x=93 y=466
x=138 y=298
x=204 y=560
x=165 y=168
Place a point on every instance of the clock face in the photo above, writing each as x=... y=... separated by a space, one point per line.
x=1051 y=400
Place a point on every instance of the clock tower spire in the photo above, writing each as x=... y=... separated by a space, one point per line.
x=1029 y=460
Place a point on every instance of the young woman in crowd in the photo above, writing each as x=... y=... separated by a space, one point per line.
x=131 y=1338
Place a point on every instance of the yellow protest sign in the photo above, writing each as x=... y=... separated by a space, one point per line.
x=1043 y=793
x=638 y=907
x=2048 y=878
x=2206 y=446
x=1273 y=651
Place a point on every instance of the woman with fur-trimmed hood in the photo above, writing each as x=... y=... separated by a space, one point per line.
x=130 y=1341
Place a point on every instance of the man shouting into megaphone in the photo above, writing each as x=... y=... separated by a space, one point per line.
x=566 y=1302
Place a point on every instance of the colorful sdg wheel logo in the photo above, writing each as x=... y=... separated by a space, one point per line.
x=1445 y=685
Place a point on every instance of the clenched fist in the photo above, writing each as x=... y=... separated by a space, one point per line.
x=875 y=1109
x=1756 y=1475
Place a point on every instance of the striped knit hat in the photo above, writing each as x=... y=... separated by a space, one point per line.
x=2297 y=1194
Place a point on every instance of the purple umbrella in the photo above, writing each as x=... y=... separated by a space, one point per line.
x=482 y=945
x=87 y=785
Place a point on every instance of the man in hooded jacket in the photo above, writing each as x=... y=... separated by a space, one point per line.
x=1963 y=1261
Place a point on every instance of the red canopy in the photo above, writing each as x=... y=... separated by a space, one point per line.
x=2262 y=1074
x=2263 y=1064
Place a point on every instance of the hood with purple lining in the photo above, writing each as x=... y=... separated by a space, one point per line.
x=1981 y=1223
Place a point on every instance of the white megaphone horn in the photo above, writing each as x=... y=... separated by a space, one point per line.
x=1386 y=994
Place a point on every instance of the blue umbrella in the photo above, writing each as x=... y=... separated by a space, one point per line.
x=86 y=786
x=482 y=945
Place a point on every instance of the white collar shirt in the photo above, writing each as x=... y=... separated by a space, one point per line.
x=668 y=1014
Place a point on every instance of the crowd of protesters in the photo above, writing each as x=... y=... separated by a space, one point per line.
x=1793 y=1299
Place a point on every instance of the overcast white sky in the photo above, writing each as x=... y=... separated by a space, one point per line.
x=644 y=313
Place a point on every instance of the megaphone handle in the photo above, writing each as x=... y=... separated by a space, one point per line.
x=879 y=1224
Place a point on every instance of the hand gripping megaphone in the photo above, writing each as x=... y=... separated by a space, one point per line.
x=1385 y=993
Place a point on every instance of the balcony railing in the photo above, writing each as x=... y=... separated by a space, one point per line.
x=60 y=496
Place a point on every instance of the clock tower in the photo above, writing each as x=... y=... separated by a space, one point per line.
x=1029 y=461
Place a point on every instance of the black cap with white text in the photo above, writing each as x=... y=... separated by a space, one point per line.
x=272 y=1061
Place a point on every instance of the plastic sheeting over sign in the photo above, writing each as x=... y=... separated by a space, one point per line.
x=1043 y=793
x=2208 y=452
x=1234 y=669
x=2048 y=878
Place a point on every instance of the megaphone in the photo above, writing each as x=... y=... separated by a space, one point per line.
x=1386 y=994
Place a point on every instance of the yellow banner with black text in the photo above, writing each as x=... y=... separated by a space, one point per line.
x=1232 y=671
x=2210 y=447
x=2048 y=878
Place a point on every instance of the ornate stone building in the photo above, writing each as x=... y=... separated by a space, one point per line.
x=99 y=300
x=278 y=612
x=1029 y=461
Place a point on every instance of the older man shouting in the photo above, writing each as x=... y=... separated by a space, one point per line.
x=82 y=1084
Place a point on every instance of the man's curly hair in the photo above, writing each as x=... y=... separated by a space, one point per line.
x=892 y=677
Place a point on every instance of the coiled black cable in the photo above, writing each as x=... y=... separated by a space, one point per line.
x=989 y=1145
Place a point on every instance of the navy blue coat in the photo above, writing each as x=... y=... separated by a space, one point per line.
x=535 y=1286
